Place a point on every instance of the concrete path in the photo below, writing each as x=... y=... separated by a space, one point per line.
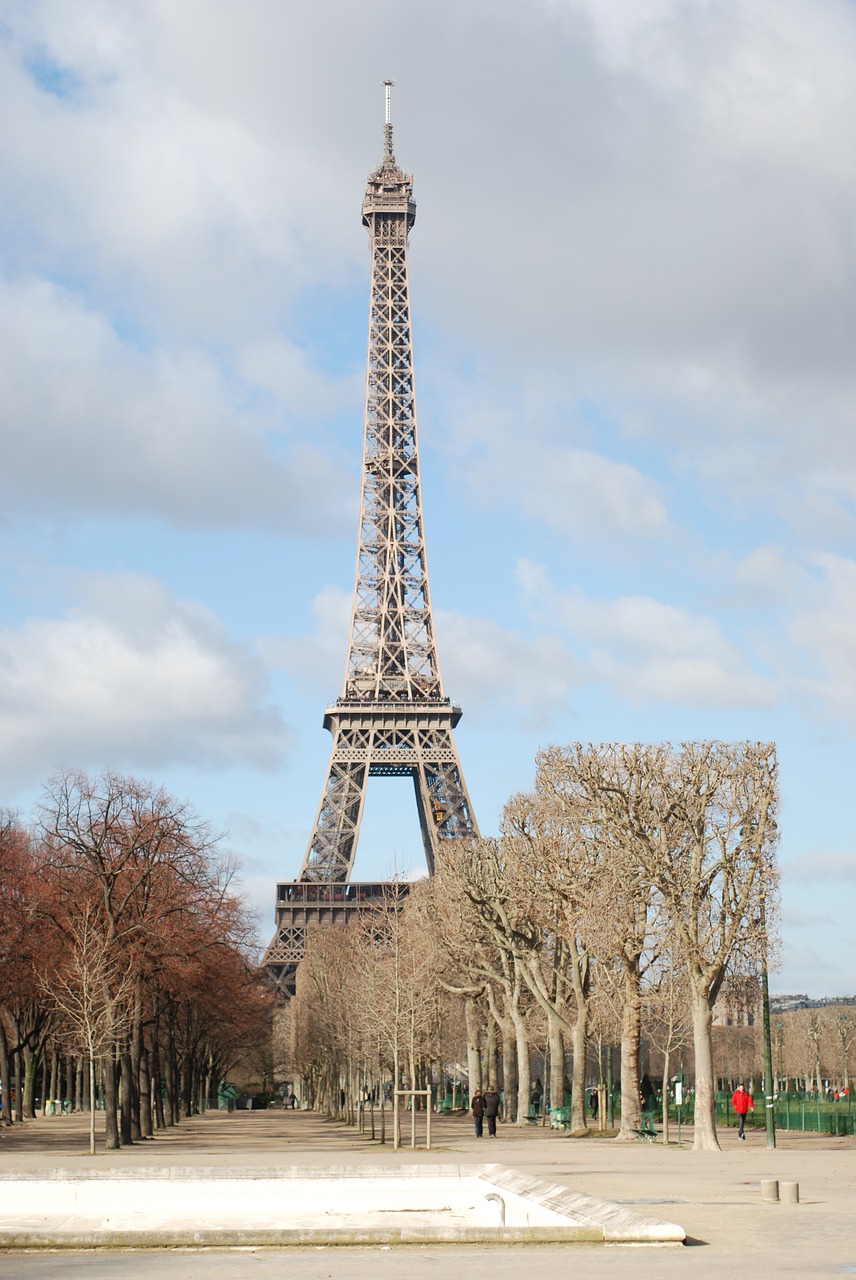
x=714 y=1196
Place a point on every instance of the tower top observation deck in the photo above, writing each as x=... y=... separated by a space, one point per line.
x=389 y=190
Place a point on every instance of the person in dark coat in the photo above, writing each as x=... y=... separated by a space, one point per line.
x=477 y=1106
x=491 y=1109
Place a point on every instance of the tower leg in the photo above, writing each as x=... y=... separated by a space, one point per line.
x=444 y=807
x=331 y=850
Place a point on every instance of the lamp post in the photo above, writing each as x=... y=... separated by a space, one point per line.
x=769 y=1090
x=842 y=1034
x=780 y=1036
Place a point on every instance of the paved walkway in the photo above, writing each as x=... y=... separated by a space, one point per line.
x=714 y=1196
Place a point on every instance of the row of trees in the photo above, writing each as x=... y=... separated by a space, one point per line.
x=635 y=884
x=125 y=957
x=813 y=1049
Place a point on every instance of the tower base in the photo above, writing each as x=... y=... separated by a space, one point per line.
x=302 y=906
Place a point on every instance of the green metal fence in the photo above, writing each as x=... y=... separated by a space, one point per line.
x=804 y=1112
x=799 y=1112
x=796 y=1112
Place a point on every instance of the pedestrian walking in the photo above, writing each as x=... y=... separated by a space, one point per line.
x=491 y=1109
x=593 y=1103
x=477 y=1106
x=742 y=1102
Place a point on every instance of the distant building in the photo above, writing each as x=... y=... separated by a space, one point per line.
x=785 y=1004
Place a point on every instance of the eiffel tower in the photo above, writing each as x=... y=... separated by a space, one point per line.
x=393 y=719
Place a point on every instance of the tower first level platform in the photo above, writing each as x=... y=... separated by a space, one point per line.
x=302 y=907
x=388 y=739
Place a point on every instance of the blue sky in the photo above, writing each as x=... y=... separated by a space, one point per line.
x=634 y=313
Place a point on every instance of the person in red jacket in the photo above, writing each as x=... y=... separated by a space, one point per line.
x=742 y=1102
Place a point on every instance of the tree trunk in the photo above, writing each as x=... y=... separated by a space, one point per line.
x=92 y=1106
x=5 y=1077
x=557 y=1062
x=186 y=1077
x=578 y=1079
x=509 y=1066
x=19 y=1092
x=157 y=1080
x=610 y=1091
x=578 y=966
x=474 y=1023
x=53 y=1089
x=45 y=1082
x=666 y=1060
x=144 y=1089
x=490 y=1065
x=126 y=1125
x=30 y=1068
x=631 y=1029
x=170 y=1079
x=705 y=1097
x=68 y=1091
x=112 y=1140
x=135 y=1058
x=524 y=1068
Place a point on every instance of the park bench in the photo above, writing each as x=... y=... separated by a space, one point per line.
x=647 y=1133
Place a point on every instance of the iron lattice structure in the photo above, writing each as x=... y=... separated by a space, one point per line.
x=393 y=718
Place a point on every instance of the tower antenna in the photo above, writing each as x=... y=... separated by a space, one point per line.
x=387 y=128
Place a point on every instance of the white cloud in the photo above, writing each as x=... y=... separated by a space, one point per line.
x=693 y=251
x=820 y=970
x=823 y=865
x=649 y=651
x=632 y=269
x=131 y=677
x=493 y=672
x=487 y=669
x=584 y=492
x=141 y=166
x=766 y=576
x=794 y=918
x=90 y=423
x=823 y=628
x=319 y=656
x=528 y=452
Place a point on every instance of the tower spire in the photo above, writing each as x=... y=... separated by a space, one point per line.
x=387 y=128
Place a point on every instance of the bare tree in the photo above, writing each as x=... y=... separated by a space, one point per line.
x=552 y=883
x=485 y=925
x=699 y=826
x=92 y=988
x=151 y=868
x=575 y=785
x=665 y=1008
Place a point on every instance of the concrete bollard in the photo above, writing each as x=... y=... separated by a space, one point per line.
x=770 y=1189
x=789 y=1192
